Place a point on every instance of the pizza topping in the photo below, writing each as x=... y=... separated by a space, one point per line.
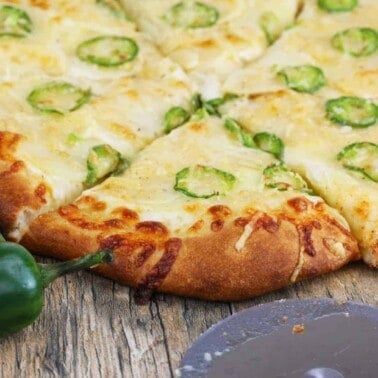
x=102 y=161
x=123 y=164
x=14 y=22
x=212 y=106
x=217 y=225
x=304 y=78
x=201 y=108
x=115 y=7
x=203 y=181
x=240 y=243
x=361 y=157
x=352 y=111
x=337 y=5
x=278 y=176
x=175 y=117
x=235 y=128
x=269 y=143
x=58 y=97
x=192 y=14
x=195 y=102
x=22 y=282
x=270 y=24
x=356 y=41
x=152 y=227
x=108 y=51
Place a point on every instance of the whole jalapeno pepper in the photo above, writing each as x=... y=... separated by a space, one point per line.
x=23 y=280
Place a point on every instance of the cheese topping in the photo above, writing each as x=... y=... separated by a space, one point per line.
x=248 y=230
x=213 y=38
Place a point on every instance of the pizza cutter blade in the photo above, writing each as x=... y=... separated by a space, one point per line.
x=312 y=338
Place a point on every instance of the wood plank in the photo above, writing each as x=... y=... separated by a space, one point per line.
x=91 y=326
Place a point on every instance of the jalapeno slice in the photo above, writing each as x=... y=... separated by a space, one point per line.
x=122 y=165
x=108 y=51
x=337 y=5
x=202 y=181
x=58 y=97
x=357 y=42
x=102 y=161
x=175 y=117
x=304 y=78
x=270 y=24
x=361 y=157
x=352 y=111
x=191 y=14
x=196 y=102
x=278 y=176
x=115 y=7
x=269 y=143
x=14 y=22
x=235 y=128
x=212 y=106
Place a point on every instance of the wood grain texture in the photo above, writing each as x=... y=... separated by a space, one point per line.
x=92 y=327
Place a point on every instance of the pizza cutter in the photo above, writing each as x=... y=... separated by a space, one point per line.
x=311 y=338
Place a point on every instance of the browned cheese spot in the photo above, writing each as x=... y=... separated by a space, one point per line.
x=241 y=222
x=40 y=193
x=206 y=44
x=114 y=223
x=217 y=225
x=43 y=4
x=14 y=168
x=362 y=209
x=8 y=144
x=267 y=95
x=73 y=215
x=197 y=226
x=267 y=223
x=191 y=207
x=234 y=39
x=126 y=214
x=299 y=204
x=219 y=211
x=151 y=227
x=197 y=126
x=92 y=203
x=157 y=274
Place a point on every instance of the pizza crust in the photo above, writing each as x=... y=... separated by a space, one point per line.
x=20 y=194
x=205 y=264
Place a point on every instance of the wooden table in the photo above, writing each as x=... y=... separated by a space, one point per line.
x=91 y=326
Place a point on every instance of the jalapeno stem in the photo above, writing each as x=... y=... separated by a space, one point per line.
x=52 y=271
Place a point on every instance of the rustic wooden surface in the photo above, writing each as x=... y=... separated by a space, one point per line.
x=91 y=326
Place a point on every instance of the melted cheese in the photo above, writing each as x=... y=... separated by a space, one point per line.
x=147 y=187
x=311 y=145
x=126 y=109
x=210 y=54
x=309 y=42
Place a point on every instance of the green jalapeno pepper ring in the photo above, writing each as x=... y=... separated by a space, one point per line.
x=337 y=5
x=23 y=280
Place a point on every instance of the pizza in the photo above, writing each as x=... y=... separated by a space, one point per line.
x=221 y=149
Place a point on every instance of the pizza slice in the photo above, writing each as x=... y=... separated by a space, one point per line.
x=200 y=214
x=80 y=86
x=333 y=143
x=332 y=47
x=211 y=38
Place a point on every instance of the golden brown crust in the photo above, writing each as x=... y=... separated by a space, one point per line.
x=18 y=193
x=300 y=242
